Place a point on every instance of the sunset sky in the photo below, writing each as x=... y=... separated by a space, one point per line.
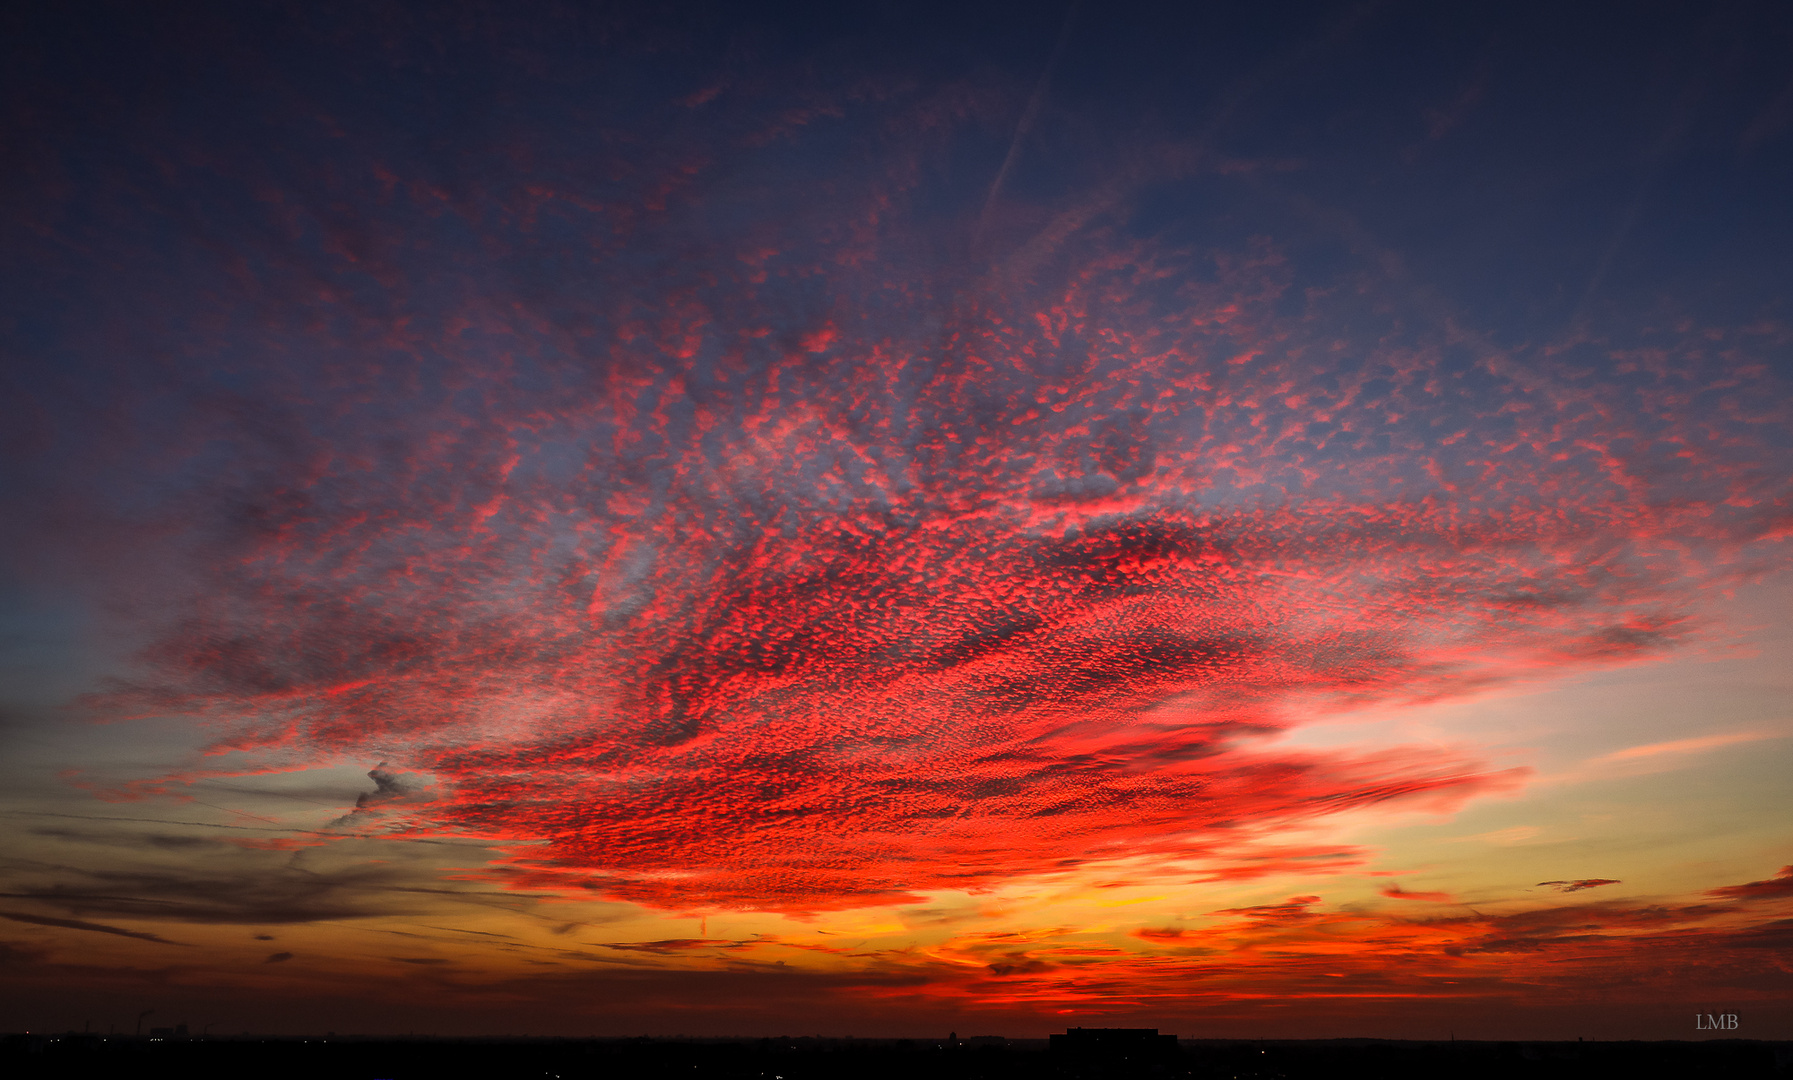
x=879 y=519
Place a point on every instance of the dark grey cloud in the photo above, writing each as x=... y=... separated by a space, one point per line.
x=80 y=924
x=1578 y=884
x=247 y=894
x=673 y=945
x=152 y=821
x=16 y=955
x=123 y=838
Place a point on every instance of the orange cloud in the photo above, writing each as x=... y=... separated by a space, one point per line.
x=1685 y=746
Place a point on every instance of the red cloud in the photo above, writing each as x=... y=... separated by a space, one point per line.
x=1770 y=888
x=793 y=574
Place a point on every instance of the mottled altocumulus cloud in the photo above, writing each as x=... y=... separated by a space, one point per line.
x=725 y=540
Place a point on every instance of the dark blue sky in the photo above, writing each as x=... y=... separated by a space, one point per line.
x=1533 y=163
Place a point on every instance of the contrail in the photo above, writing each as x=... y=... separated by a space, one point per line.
x=1027 y=119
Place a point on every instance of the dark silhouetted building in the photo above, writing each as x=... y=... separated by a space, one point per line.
x=1114 y=1043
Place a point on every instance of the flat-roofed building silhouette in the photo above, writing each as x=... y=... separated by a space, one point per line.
x=1114 y=1042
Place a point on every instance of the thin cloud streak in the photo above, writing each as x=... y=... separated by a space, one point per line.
x=81 y=924
x=1678 y=747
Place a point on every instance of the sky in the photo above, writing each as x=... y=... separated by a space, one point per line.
x=1260 y=520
